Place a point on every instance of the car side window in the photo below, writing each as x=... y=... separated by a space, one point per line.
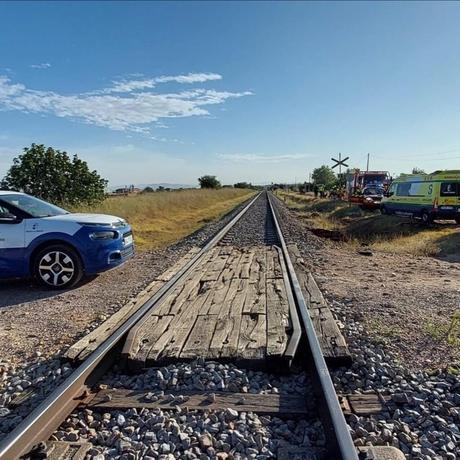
x=450 y=189
x=5 y=210
x=392 y=190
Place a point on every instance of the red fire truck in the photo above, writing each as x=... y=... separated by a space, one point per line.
x=366 y=188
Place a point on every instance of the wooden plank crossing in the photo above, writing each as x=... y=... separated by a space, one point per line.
x=232 y=306
x=333 y=344
x=86 y=345
x=279 y=404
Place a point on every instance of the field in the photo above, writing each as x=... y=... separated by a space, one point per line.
x=392 y=234
x=161 y=218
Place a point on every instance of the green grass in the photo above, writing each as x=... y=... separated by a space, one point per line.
x=162 y=218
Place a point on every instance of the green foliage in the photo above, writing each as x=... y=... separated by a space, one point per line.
x=209 y=182
x=242 y=185
x=323 y=176
x=418 y=171
x=53 y=176
x=148 y=190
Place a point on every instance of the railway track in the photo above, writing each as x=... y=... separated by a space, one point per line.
x=214 y=397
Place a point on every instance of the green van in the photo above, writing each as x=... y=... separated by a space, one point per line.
x=425 y=196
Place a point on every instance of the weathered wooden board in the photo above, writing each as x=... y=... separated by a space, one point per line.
x=170 y=343
x=225 y=339
x=62 y=450
x=226 y=308
x=86 y=345
x=332 y=342
x=277 y=317
x=252 y=342
x=296 y=453
x=147 y=337
x=246 y=261
x=364 y=404
x=273 y=263
x=200 y=337
x=276 y=404
x=256 y=298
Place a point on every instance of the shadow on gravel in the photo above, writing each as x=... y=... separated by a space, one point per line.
x=16 y=292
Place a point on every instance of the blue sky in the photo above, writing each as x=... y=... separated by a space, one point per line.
x=165 y=92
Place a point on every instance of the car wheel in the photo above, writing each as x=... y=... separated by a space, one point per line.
x=426 y=217
x=383 y=209
x=57 y=267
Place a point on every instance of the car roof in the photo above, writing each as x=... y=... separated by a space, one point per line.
x=8 y=192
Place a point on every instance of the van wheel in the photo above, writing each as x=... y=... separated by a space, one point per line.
x=426 y=217
x=57 y=267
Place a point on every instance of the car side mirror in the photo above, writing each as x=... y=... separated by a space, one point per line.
x=8 y=218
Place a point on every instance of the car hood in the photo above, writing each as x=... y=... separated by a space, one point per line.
x=89 y=219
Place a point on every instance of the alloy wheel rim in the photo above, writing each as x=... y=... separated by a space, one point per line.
x=56 y=268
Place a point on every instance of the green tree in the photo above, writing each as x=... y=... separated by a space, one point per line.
x=323 y=176
x=418 y=171
x=148 y=190
x=53 y=176
x=209 y=182
x=242 y=185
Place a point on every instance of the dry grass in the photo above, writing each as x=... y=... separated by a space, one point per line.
x=384 y=233
x=161 y=218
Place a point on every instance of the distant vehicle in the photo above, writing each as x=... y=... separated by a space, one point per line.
x=372 y=196
x=357 y=181
x=425 y=196
x=57 y=247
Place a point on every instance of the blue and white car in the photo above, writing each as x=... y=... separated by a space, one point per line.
x=55 y=246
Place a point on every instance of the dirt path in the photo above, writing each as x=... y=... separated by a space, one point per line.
x=406 y=302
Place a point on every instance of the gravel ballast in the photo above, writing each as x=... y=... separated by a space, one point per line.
x=191 y=434
x=255 y=228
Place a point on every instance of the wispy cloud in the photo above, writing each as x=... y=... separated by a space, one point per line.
x=128 y=106
x=43 y=65
x=128 y=85
x=245 y=157
x=190 y=78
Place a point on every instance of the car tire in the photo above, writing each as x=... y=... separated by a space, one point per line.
x=383 y=210
x=426 y=217
x=57 y=266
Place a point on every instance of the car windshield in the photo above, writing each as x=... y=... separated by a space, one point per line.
x=33 y=206
x=373 y=191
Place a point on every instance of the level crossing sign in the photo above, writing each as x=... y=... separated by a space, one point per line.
x=340 y=162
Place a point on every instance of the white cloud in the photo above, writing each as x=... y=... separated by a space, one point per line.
x=129 y=85
x=126 y=86
x=43 y=65
x=129 y=109
x=189 y=78
x=243 y=157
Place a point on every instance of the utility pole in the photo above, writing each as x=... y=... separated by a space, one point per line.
x=367 y=167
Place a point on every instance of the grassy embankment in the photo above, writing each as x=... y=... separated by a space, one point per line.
x=161 y=218
x=385 y=233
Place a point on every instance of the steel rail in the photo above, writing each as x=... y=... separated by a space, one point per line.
x=344 y=442
x=50 y=413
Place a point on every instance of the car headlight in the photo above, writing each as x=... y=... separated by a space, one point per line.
x=107 y=235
